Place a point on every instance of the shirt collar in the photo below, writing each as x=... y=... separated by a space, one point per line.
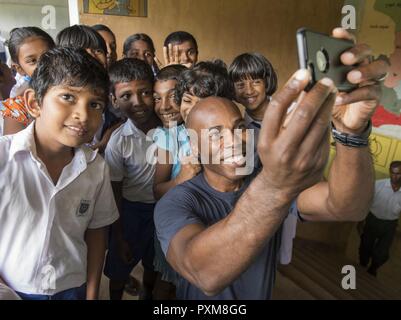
x=130 y=129
x=389 y=186
x=248 y=120
x=25 y=141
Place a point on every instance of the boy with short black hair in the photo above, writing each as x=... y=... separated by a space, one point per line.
x=180 y=47
x=132 y=176
x=56 y=195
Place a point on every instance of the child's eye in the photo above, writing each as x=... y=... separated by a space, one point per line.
x=99 y=51
x=257 y=82
x=239 y=85
x=97 y=106
x=125 y=97
x=146 y=93
x=157 y=99
x=68 y=97
x=32 y=62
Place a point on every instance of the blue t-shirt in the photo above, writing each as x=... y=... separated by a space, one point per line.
x=195 y=202
x=176 y=141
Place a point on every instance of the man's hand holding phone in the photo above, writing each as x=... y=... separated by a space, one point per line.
x=353 y=110
x=353 y=70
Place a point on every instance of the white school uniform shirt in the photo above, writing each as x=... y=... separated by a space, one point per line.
x=290 y=223
x=1 y=125
x=386 y=203
x=42 y=225
x=130 y=155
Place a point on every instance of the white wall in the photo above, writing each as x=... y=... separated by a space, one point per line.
x=20 y=13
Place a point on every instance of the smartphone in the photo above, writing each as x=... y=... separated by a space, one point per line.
x=321 y=54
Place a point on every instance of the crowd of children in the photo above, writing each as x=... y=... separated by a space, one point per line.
x=143 y=116
x=91 y=143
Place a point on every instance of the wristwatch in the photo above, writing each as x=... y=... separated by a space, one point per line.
x=351 y=140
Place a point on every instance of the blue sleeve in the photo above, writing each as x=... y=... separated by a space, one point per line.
x=162 y=139
x=172 y=213
x=294 y=211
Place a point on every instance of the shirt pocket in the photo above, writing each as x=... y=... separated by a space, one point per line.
x=75 y=209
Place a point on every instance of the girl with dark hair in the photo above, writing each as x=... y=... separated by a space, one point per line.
x=26 y=45
x=255 y=81
x=110 y=39
x=140 y=46
x=84 y=37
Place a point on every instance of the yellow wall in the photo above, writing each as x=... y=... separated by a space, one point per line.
x=384 y=150
x=226 y=28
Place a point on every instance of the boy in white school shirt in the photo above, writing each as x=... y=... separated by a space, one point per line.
x=56 y=198
x=129 y=156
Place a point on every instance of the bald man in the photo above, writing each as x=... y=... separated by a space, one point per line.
x=220 y=230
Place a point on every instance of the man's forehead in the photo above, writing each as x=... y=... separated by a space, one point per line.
x=212 y=113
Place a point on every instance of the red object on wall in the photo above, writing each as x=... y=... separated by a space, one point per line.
x=382 y=117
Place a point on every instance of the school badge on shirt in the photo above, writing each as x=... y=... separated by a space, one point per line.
x=83 y=208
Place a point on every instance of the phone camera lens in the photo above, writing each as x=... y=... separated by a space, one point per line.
x=322 y=60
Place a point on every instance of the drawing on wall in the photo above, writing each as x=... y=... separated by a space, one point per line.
x=379 y=25
x=132 y=8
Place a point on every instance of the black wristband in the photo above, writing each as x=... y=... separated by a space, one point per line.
x=351 y=140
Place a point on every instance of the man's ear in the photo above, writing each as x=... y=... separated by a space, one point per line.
x=18 y=68
x=32 y=103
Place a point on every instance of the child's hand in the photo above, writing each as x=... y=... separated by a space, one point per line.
x=171 y=55
x=158 y=63
x=124 y=251
x=190 y=167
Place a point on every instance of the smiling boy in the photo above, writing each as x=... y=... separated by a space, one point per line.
x=132 y=176
x=56 y=195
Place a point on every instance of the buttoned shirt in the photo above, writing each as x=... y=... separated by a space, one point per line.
x=42 y=225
